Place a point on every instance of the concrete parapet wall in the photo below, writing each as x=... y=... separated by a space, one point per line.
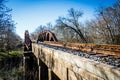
x=71 y=67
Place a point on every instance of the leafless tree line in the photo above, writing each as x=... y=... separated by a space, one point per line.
x=105 y=29
x=8 y=38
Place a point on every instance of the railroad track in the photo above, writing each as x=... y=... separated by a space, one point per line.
x=110 y=50
x=49 y=38
x=108 y=54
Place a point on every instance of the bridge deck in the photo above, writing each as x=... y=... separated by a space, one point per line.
x=71 y=67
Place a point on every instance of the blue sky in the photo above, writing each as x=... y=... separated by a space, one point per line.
x=29 y=14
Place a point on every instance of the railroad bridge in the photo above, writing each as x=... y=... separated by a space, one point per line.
x=70 y=61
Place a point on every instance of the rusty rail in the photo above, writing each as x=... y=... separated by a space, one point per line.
x=113 y=50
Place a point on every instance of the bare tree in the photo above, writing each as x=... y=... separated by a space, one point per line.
x=41 y=28
x=72 y=23
x=110 y=18
x=7 y=28
x=105 y=28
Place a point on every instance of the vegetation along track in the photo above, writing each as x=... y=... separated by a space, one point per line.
x=108 y=54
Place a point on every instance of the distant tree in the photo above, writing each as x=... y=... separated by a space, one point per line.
x=105 y=29
x=41 y=28
x=49 y=26
x=7 y=28
x=72 y=23
x=109 y=18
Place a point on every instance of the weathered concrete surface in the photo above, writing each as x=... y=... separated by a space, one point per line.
x=71 y=67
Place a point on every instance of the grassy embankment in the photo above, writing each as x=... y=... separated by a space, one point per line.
x=11 y=65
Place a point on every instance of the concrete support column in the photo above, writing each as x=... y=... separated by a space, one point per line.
x=49 y=74
x=39 y=69
x=24 y=68
x=25 y=75
x=67 y=73
x=39 y=72
x=50 y=66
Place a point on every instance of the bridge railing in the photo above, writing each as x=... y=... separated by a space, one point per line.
x=27 y=42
